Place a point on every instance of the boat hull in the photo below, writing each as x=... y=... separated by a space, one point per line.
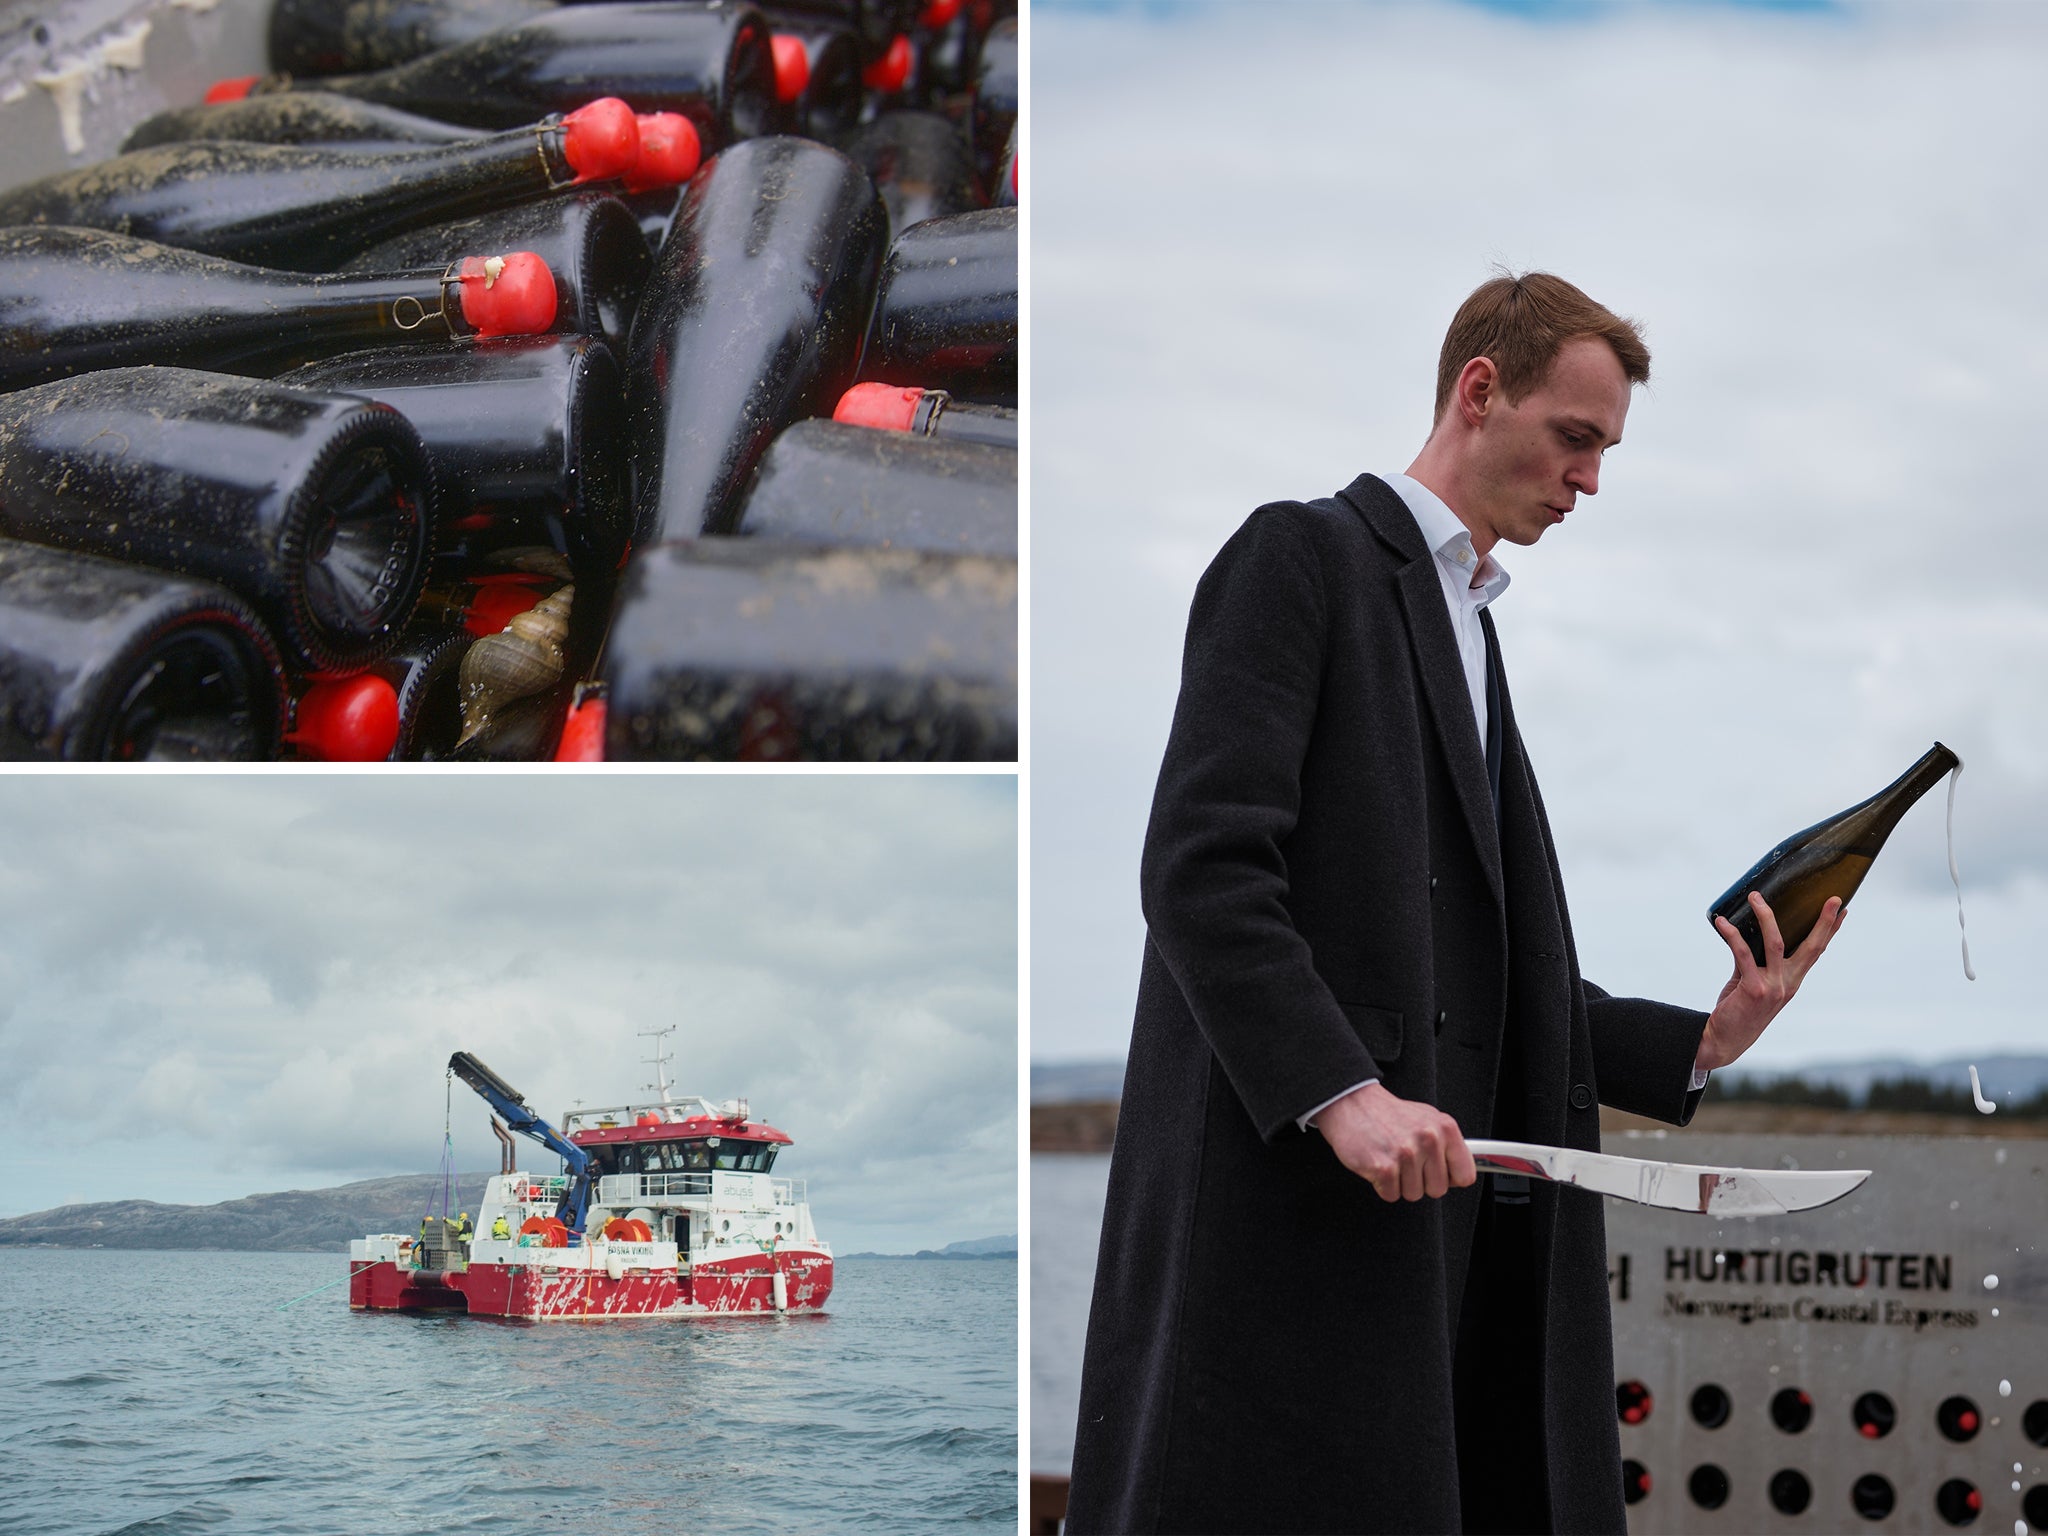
x=579 y=1291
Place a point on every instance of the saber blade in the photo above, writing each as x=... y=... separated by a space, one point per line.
x=1690 y=1187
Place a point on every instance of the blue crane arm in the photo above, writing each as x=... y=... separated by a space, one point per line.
x=511 y=1108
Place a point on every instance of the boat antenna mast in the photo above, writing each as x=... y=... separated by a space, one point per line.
x=659 y=1061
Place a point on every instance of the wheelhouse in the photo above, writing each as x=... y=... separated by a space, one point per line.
x=680 y=1138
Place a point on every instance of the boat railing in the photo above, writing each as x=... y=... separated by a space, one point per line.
x=678 y=1188
x=619 y=1116
x=653 y=1188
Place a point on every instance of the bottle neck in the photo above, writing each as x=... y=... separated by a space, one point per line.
x=421 y=306
x=1892 y=802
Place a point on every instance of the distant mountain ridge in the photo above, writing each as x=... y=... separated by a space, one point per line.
x=292 y=1221
x=305 y=1221
x=973 y=1248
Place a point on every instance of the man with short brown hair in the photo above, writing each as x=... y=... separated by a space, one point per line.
x=1308 y=1314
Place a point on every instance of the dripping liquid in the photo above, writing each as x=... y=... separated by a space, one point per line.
x=1961 y=927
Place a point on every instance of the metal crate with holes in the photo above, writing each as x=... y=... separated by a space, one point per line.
x=1878 y=1364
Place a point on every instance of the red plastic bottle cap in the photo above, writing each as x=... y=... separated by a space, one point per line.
x=669 y=152
x=601 y=140
x=1869 y=1431
x=583 y=734
x=497 y=604
x=236 y=89
x=348 y=720
x=889 y=72
x=792 y=66
x=938 y=13
x=889 y=406
x=1974 y=1499
x=510 y=295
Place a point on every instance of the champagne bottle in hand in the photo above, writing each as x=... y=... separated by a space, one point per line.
x=1828 y=859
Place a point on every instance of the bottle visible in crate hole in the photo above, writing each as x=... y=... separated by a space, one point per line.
x=73 y=301
x=759 y=651
x=946 y=316
x=313 y=507
x=752 y=320
x=526 y=439
x=709 y=62
x=101 y=661
x=309 y=210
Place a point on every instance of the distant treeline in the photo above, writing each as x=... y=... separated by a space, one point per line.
x=1901 y=1095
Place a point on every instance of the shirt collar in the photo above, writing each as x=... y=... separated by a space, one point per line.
x=1449 y=539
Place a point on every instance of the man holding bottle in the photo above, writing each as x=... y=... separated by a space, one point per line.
x=1308 y=1314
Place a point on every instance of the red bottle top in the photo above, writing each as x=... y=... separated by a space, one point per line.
x=889 y=71
x=888 y=406
x=669 y=152
x=511 y=295
x=347 y=720
x=498 y=602
x=583 y=733
x=601 y=140
x=792 y=66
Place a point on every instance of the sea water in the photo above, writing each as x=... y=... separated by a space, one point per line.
x=155 y=1394
x=1068 y=1191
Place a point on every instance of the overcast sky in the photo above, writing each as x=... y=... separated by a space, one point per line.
x=211 y=987
x=1818 y=550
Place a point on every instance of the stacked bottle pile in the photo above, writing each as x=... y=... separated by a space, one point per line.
x=518 y=379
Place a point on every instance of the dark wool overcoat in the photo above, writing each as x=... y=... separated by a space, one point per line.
x=1331 y=896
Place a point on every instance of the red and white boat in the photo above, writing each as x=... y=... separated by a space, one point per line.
x=680 y=1216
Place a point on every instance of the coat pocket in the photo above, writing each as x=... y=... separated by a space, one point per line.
x=1379 y=1028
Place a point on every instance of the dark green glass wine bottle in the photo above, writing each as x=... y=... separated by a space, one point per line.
x=312 y=507
x=73 y=301
x=1829 y=858
x=309 y=210
x=710 y=62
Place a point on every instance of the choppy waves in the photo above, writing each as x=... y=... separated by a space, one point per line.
x=159 y=1394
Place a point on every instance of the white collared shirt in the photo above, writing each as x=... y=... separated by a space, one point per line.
x=1470 y=581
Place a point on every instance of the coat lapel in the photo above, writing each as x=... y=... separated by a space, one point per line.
x=1436 y=656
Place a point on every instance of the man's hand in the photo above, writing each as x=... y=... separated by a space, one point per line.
x=1405 y=1150
x=1754 y=994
